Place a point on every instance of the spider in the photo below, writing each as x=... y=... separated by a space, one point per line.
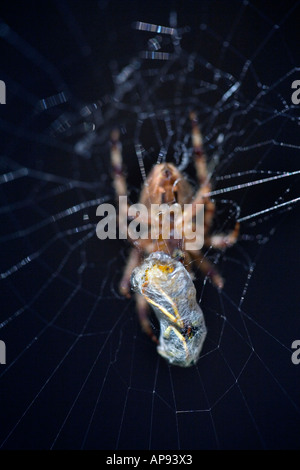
x=160 y=270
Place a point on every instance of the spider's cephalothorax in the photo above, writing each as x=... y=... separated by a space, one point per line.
x=181 y=335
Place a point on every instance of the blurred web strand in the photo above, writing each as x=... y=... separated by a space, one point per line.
x=40 y=175
x=270 y=209
x=52 y=101
x=156 y=55
x=32 y=256
x=54 y=218
x=154 y=28
x=153 y=43
x=230 y=92
x=251 y=183
x=139 y=152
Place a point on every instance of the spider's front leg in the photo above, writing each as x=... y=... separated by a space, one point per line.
x=198 y=150
x=200 y=162
x=133 y=261
x=221 y=240
x=120 y=186
x=224 y=240
x=118 y=175
x=142 y=306
x=119 y=179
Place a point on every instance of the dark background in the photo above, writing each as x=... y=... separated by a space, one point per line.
x=79 y=373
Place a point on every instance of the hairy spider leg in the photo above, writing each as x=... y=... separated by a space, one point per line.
x=200 y=162
x=224 y=240
x=133 y=261
x=119 y=178
x=221 y=240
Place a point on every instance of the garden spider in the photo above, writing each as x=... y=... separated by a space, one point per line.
x=163 y=279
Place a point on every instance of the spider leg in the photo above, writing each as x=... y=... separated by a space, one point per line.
x=143 y=315
x=200 y=162
x=207 y=268
x=119 y=179
x=219 y=241
x=209 y=213
x=199 y=154
x=133 y=261
x=120 y=186
x=118 y=175
x=224 y=240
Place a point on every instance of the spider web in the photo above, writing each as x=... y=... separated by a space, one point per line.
x=80 y=374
